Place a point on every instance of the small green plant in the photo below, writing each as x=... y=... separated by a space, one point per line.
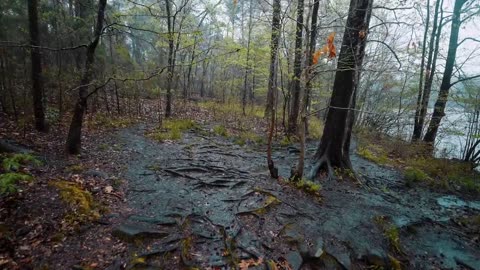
x=8 y=181
x=413 y=175
x=12 y=174
x=14 y=162
x=307 y=186
x=220 y=130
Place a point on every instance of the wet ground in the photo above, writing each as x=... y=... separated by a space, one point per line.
x=205 y=202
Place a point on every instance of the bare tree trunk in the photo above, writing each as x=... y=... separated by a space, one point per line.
x=74 y=137
x=431 y=68
x=171 y=67
x=334 y=148
x=272 y=83
x=297 y=72
x=298 y=173
x=247 y=68
x=37 y=84
x=439 y=109
x=417 y=130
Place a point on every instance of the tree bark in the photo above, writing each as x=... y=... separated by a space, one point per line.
x=431 y=68
x=272 y=83
x=171 y=67
x=74 y=137
x=417 y=131
x=334 y=148
x=440 y=104
x=298 y=172
x=297 y=72
x=37 y=84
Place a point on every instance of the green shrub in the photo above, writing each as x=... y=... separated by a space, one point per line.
x=413 y=175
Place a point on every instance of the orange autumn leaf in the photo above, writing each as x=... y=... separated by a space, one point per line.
x=316 y=56
x=328 y=49
x=331 y=47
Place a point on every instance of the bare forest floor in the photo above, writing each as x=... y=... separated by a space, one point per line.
x=205 y=200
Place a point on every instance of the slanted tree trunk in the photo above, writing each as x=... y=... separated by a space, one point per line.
x=334 y=148
x=439 y=108
x=37 y=84
x=74 y=137
x=297 y=72
x=272 y=83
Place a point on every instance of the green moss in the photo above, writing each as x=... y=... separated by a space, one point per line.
x=81 y=201
x=220 y=130
x=186 y=247
x=378 y=157
x=269 y=202
x=391 y=233
x=394 y=263
x=307 y=186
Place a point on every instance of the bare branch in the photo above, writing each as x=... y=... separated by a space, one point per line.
x=465 y=79
x=391 y=50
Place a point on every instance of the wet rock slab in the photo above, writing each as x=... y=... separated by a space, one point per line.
x=212 y=204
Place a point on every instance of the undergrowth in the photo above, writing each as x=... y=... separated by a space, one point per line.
x=14 y=171
x=172 y=129
x=417 y=162
x=101 y=120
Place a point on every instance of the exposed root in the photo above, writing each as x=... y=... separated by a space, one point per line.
x=322 y=165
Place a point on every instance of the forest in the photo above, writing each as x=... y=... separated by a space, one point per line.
x=239 y=134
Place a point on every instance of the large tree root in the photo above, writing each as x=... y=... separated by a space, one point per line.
x=322 y=165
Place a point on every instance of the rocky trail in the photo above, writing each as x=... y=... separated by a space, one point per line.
x=204 y=202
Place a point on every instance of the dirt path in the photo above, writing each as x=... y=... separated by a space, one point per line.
x=206 y=202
